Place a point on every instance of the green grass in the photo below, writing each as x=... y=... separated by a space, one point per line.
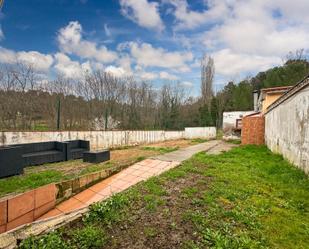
x=199 y=140
x=96 y=167
x=162 y=150
x=233 y=141
x=19 y=184
x=244 y=198
x=256 y=200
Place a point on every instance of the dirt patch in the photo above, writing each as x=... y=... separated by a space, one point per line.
x=166 y=226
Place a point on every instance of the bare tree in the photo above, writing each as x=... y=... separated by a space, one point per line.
x=25 y=76
x=207 y=77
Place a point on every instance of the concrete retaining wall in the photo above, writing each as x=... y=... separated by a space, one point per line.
x=287 y=129
x=105 y=139
x=200 y=132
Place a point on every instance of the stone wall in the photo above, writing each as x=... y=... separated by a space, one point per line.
x=253 y=129
x=287 y=126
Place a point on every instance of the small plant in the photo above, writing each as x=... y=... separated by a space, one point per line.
x=233 y=141
x=152 y=202
x=49 y=241
x=199 y=140
x=162 y=150
x=88 y=237
x=140 y=158
x=150 y=231
x=153 y=186
x=108 y=211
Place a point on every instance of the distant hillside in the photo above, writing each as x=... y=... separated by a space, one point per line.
x=289 y=74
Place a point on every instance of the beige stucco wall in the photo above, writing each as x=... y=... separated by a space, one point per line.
x=287 y=129
x=269 y=99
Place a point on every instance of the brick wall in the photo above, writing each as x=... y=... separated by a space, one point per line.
x=253 y=130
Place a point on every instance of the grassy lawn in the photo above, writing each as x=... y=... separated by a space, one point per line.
x=243 y=198
x=36 y=176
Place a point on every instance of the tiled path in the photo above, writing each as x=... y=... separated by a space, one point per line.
x=128 y=177
x=114 y=184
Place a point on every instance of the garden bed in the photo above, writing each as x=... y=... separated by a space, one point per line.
x=245 y=198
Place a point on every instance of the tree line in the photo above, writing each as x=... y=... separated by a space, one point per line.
x=101 y=101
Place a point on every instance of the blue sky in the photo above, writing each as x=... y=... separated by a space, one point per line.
x=153 y=40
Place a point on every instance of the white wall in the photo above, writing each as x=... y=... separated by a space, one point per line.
x=229 y=119
x=287 y=129
x=100 y=139
x=200 y=132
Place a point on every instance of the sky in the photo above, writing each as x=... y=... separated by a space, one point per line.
x=157 y=41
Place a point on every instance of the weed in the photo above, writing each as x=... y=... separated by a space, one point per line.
x=140 y=158
x=88 y=237
x=154 y=187
x=108 y=211
x=52 y=240
x=189 y=192
x=198 y=140
x=174 y=174
x=152 y=202
x=162 y=150
x=150 y=231
x=233 y=141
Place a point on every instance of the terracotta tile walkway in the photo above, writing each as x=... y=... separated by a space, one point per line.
x=114 y=184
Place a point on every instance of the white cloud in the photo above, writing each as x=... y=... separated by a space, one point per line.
x=70 y=69
x=7 y=56
x=187 y=84
x=167 y=76
x=147 y=75
x=190 y=19
x=256 y=34
x=1 y=33
x=229 y=63
x=107 y=30
x=40 y=62
x=145 y=14
x=148 y=56
x=125 y=62
x=71 y=42
x=116 y=71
